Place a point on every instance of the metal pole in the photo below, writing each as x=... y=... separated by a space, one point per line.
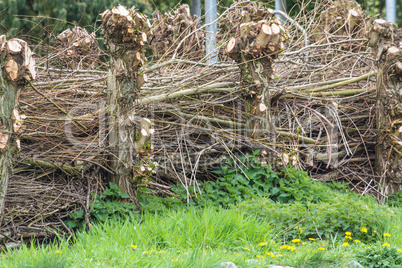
x=390 y=9
x=211 y=14
x=280 y=5
x=196 y=8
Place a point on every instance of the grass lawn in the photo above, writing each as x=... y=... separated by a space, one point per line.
x=257 y=229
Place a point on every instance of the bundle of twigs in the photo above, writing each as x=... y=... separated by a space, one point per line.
x=322 y=106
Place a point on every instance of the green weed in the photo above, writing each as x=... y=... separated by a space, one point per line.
x=110 y=204
x=248 y=178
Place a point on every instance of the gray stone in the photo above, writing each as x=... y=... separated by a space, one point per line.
x=228 y=265
x=355 y=264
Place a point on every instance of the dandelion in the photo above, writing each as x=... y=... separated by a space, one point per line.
x=357 y=241
x=348 y=233
x=296 y=240
x=363 y=230
x=133 y=246
x=304 y=243
x=311 y=239
x=272 y=241
x=399 y=250
x=291 y=248
x=145 y=252
x=348 y=237
x=162 y=251
x=175 y=259
x=345 y=244
x=321 y=248
x=247 y=249
x=262 y=244
x=58 y=252
x=284 y=247
x=280 y=255
x=387 y=235
x=386 y=245
x=270 y=254
x=375 y=231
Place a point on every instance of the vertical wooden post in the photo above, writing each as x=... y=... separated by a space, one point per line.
x=16 y=68
x=125 y=34
x=386 y=39
x=256 y=43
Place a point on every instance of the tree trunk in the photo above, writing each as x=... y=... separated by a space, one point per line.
x=386 y=38
x=125 y=36
x=255 y=46
x=16 y=67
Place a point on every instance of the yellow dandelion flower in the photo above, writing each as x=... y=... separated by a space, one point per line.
x=133 y=246
x=247 y=249
x=348 y=233
x=357 y=241
x=291 y=248
x=386 y=245
x=162 y=251
x=311 y=239
x=375 y=231
x=280 y=255
x=296 y=240
x=399 y=250
x=363 y=230
x=262 y=244
x=387 y=235
x=145 y=252
x=175 y=259
x=321 y=248
x=345 y=244
x=284 y=247
x=304 y=243
x=348 y=237
x=59 y=252
x=272 y=241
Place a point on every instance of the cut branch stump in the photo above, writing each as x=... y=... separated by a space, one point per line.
x=258 y=39
x=386 y=41
x=125 y=34
x=170 y=29
x=17 y=66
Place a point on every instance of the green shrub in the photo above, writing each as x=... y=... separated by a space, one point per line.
x=395 y=199
x=344 y=213
x=111 y=204
x=248 y=178
x=384 y=257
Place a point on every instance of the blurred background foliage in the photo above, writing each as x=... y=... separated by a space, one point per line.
x=41 y=20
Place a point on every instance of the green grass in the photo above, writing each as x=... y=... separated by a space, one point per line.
x=170 y=234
